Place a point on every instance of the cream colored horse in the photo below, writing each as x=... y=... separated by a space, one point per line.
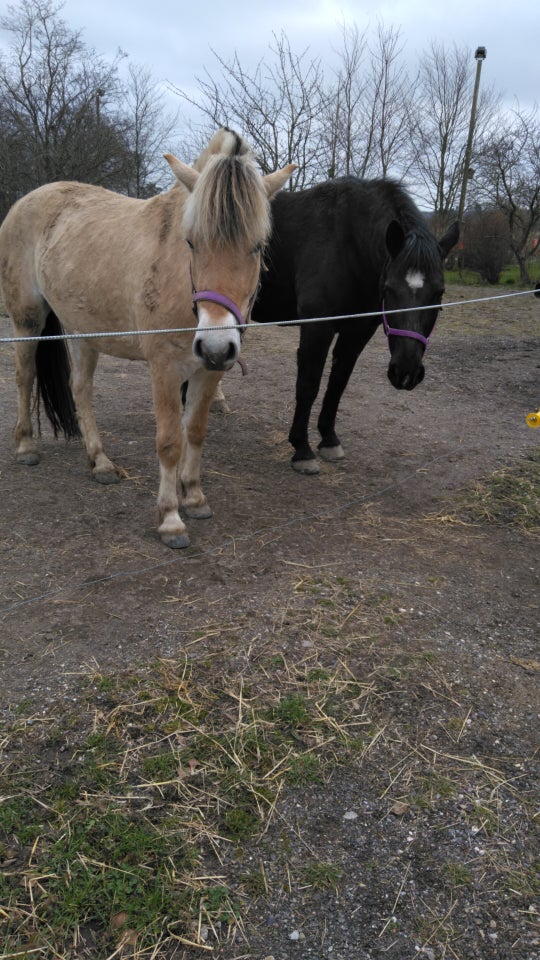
x=100 y=262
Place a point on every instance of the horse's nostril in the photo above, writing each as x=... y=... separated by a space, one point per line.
x=231 y=352
x=197 y=349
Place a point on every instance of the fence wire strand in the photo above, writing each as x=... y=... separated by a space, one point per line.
x=270 y=323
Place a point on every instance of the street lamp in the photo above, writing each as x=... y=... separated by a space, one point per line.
x=479 y=56
x=99 y=94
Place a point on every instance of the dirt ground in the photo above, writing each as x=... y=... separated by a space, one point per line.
x=87 y=587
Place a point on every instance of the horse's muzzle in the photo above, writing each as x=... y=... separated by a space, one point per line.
x=218 y=349
x=405 y=378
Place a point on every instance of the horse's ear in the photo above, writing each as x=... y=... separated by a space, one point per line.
x=186 y=175
x=395 y=238
x=450 y=239
x=275 y=181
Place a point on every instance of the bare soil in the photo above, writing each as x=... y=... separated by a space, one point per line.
x=439 y=611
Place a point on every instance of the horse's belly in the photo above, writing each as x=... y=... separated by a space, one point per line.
x=126 y=348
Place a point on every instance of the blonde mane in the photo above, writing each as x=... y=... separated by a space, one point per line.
x=229 y=205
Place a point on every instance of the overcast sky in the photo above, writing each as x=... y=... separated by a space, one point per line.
x=174 y=39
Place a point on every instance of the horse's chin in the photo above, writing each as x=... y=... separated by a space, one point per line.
x=213 y=364
x=403 y=379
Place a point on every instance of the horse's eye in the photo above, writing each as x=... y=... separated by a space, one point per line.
x=189 y=243
x=257 y=248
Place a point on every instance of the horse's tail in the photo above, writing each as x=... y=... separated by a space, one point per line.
x=52 y=369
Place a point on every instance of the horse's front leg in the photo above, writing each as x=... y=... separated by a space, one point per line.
x=202 y=388
x=166 y=391
x=315 y=342
x=344 y=357
x=25 y=372
x=84 y=358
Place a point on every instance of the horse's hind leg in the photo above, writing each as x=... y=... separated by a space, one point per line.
x=311 y=357
x=84 y=362
x=25 y=373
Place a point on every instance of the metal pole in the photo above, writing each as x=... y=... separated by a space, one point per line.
x=479 y=56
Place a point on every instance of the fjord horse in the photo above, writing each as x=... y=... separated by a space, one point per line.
x=91 y=261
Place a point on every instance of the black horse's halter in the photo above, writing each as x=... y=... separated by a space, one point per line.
x=397 y=332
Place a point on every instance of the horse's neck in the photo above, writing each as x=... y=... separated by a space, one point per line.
x=166 y=211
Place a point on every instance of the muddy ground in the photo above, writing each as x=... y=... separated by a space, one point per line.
x=87 y=588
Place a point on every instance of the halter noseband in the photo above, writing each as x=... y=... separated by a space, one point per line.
x=222 y=300
x=214 y=297
x=396 y=332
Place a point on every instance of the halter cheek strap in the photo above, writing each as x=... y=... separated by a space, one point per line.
x=396 y=332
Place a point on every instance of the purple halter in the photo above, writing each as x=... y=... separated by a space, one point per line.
x=396 y=332
x=223 y=301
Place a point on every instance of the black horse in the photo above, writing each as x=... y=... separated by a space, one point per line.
x=350 y=246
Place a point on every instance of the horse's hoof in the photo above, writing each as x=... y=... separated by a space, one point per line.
x=198 y=513
x=307 y=467
x=176 y=541
x=28 y=459
x=332 y=453
x=106 y=478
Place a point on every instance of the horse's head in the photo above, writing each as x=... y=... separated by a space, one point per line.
x=226 y=224
x=413 y=282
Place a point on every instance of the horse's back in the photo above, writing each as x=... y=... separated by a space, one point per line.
x=40 y=209
x=79 y=249
x=26 y=233
x=322 y=258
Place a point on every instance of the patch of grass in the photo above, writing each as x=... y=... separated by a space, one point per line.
x=20 y=819
x=510 y=495
x=457 y=874
x=509 y=276
x=292 y=711
x=240 y=823
x=320 y=875
x=156 y=780
x=147 y=819
x=160 y=767
x=524 y=882
x=304 y=769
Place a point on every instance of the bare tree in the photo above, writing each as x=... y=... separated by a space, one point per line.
x=345 y=104
x=148 y=132
x=279 y=106
x=443 y=108
x=509 y=180
x=385 y=117
x=357 y=124
x=53 y=94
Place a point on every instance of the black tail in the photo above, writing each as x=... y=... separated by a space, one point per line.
x=52 y=369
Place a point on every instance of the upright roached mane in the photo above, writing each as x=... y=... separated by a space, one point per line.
x=78 y=257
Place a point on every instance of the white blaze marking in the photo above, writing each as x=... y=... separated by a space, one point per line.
x=415 y=279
